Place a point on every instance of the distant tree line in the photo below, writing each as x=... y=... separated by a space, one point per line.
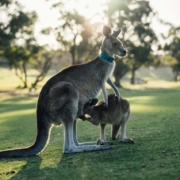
x=21 y=49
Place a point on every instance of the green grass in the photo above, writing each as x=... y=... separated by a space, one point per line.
x=154 y=125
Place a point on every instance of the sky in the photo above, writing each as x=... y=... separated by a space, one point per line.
x=168 y=10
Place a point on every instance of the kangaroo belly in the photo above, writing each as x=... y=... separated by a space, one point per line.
x=85 y=96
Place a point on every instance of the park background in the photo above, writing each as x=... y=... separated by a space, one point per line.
x=40 y=38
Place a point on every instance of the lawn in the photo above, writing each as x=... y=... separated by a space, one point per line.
x=154 y=125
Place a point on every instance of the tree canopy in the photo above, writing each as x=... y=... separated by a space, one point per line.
x=173 y=49
x=81 y=38
x=134 y=17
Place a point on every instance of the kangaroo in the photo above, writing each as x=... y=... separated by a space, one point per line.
x=117 y=115
x=64 y=95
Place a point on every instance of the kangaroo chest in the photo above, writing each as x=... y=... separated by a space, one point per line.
x=92 y=84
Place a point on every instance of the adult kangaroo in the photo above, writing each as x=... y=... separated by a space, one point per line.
x=62 y=98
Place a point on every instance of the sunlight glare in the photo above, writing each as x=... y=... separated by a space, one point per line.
x=49 y=17
x=91 y=9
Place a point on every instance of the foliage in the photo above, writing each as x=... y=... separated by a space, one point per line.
x=18 y=25
x=168 y=60
x=80 y=37
x=173 y=48
x=176 y=71
x=18 y=58
x=18 y=45
x=42 y=62
x=5 y=2
x=134 y=17
x=120 y=70
x=76 y=35
x=17 y=42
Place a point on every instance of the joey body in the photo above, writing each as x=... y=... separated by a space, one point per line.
x=117 y=114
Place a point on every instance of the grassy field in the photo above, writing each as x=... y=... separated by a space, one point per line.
x=154 y=125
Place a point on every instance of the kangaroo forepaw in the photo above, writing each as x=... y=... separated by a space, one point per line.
x=117 y=99
x=105 y=105
x=93 y=102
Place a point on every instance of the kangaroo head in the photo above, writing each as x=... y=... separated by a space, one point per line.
x=111 y=45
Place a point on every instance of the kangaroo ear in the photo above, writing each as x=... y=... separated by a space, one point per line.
x=106 y=31
x=116 y=33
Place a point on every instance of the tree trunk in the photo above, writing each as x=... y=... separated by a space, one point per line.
x=25 y=75
x=73 y=55
x=133 y=76
x=46 y=66
x=117 y=82
x=73 y=51
x=176 y=75
x=22 y=75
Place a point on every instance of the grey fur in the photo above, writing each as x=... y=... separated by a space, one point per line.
x=62 y=99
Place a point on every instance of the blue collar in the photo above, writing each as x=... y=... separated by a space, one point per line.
x=106 y=58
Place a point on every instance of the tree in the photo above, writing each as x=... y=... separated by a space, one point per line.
x=18 y=58
x=17 y=25
x=134 y=17
x=75 y=34
x=173 y=49
x=139 y=56
x=42 y=63
x=120 y=70
x=176 y=71
x=17 y=42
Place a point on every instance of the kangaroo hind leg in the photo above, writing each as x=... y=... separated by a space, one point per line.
x=122 y=137
x=102 y=140
x=67 y=112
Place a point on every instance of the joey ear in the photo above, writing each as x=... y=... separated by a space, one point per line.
x=116 y=33
x=106 y=31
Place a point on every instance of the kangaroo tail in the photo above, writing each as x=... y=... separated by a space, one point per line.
x=40 y=143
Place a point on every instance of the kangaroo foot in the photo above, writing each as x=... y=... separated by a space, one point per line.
x=128 y=140
x=100 y=142
x=125 y=140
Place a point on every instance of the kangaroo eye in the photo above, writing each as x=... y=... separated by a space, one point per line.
x=114 y=43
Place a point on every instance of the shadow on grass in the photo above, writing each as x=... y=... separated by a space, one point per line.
x=149 y=158
x=5 y=108
x=154 y=156
x=13 y=104
x=89 y=165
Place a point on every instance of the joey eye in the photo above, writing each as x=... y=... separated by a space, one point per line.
x=114 y=43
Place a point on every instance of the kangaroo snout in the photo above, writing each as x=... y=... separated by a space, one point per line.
x=124 y=53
